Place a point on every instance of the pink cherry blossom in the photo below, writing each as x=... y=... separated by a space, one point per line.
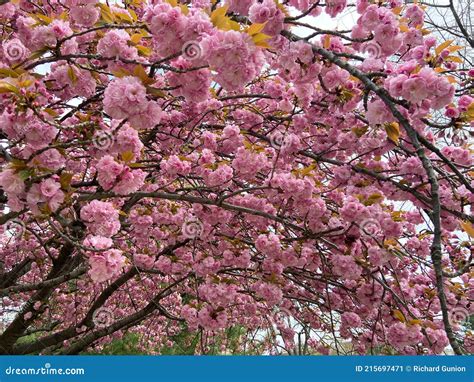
x=124 y=97
x=235 y=177
x=106 y=265
x=85 y=15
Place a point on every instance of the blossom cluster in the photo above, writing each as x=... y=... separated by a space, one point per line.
x=210 y=165
x=126 y=98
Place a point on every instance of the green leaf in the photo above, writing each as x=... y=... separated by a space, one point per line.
x=25 y=174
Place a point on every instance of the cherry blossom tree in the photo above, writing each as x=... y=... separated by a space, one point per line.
x=236 y=174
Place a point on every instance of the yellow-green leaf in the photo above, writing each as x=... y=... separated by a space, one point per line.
x=26 y=82
x=326 y=41
x=25 y=174
x=455 y=48
x=397 y=10
x=360 y=131
x=72 y=74
x=282 y=8
x=51 y=112
x=120 y=73
x=7 y=72
x=403 y=28
x=45 y=19
x=399 y=315
x=123 y=16
x=37 y=54
x=127 y=156
x=397 y=216
x=219 y=12
x=307 y=170
x=133 y=14
x=106 y=13
x=393 y=132
x=454 y=59
x=155 y=92
x=145 y=51
x=136 y=37
x=260 y=39
x=6 y=87
x=255 y=28
x=139 y=71
x=184 y=9
x=443 y=46
x=219 y=19
x=372 y=199
x=470 y=113
x=233 y=25
x=468 y=227
x=65 y=180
